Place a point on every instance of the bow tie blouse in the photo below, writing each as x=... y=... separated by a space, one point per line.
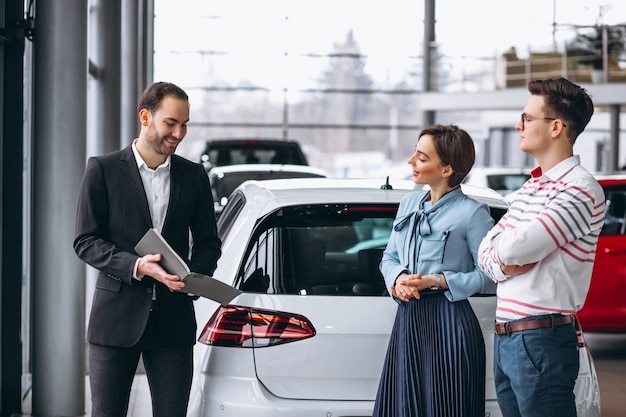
x=439 y=238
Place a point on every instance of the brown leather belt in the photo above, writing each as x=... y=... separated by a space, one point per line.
x=516 y=326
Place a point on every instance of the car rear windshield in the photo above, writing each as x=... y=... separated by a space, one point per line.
x=329 y=249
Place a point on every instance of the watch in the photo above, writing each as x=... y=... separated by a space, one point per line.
x=437 y=285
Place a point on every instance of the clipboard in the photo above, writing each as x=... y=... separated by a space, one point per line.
x=195 y=283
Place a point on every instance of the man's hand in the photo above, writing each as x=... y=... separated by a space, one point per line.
x=149 y=265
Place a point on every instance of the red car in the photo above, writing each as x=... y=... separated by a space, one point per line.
x=605 y=307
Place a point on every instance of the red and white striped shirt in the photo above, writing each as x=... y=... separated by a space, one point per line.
x=554 y=221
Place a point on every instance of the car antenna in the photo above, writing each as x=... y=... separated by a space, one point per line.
x=386 y=185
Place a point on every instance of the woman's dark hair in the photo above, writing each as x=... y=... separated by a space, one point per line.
x=455 y=147
x=153 y=95
x=567 y=101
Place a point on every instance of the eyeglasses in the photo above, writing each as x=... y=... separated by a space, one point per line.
x=529 y=118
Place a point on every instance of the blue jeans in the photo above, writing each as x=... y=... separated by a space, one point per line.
x=536 y=370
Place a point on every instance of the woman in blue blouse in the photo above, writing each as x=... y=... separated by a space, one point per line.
x=435 y=363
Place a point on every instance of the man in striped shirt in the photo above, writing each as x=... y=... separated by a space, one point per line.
x=541 y=254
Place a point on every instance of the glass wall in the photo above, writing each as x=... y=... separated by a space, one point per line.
x=343 y=77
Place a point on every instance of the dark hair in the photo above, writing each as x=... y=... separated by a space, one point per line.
x=565 y=100
x=455 y=147
x=152 y=96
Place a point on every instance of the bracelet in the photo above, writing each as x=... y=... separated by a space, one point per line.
x=437 y=285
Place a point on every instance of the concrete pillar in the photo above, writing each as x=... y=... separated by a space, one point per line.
x=146 y=42
x=11 y=175
x=104 y=98
x=136 y=64
x=429 y=49
x=130 y=71
x=615 y=122
x=58 y=282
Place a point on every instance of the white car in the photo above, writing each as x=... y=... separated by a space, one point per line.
x=308 y=335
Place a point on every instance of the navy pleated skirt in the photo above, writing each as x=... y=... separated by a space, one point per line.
x=435 y=363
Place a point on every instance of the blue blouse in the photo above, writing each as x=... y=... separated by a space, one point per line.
x=442 y=238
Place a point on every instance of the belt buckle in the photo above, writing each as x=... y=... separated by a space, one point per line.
x=500 y=328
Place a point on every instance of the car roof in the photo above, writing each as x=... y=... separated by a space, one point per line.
x=249 y=140
x=238 y=168
x=611 y=176
x=500 y=170
x=324 y=190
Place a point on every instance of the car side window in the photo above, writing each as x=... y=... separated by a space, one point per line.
x=260 y=269
x=615 y=210
x=229 y=215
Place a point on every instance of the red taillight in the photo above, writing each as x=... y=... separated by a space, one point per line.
x=234 y=326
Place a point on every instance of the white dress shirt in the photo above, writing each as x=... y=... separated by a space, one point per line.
x=156 y=183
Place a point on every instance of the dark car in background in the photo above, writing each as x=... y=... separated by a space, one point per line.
x=233 y=151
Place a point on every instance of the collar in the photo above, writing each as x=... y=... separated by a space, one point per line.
x=452 y=194
x=559 y=170
x=419 y=217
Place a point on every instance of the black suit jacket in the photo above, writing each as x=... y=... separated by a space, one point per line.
x=112 y=216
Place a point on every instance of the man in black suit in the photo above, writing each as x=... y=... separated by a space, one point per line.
x=136 y=309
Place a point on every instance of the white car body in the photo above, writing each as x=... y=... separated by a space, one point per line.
x=335 y=372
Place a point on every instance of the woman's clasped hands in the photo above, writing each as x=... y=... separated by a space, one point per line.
x=409 y=285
